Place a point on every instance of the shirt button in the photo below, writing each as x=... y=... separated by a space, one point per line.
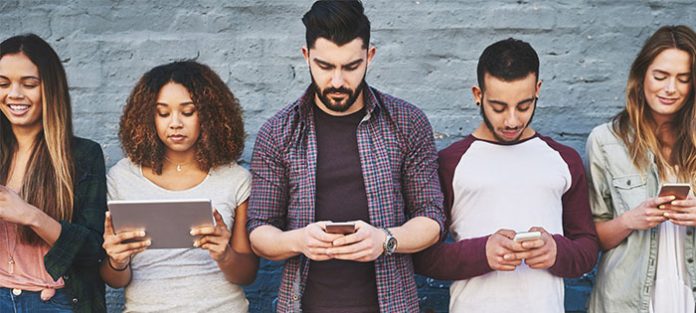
x=295 y=298
x=66 y=277
x=16 y=291
x=690 y=260
x=74 y=300
x=689 y=233
x=693 y=289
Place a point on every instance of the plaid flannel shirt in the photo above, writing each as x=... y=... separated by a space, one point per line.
x=399 y=166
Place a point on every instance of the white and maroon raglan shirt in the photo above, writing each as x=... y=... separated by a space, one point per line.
x=489 y=186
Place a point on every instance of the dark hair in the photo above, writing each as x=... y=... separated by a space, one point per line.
x=222 y=130
x=48 y=182
x=509 y=59
x=338 y=21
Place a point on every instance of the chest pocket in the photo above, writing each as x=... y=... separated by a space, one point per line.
x=631 y=191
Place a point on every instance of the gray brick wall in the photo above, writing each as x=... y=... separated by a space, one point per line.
x=426 y=53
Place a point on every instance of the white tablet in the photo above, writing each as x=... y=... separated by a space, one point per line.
x=166 y=222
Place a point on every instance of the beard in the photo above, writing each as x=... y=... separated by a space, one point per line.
x=501 y=139
x=347 y=101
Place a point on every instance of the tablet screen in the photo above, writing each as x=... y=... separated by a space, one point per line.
x=166 y=222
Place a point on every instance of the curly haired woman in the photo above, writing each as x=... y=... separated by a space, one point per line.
x=182 y=132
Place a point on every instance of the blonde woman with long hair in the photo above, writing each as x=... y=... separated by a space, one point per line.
x=52 y=189
x=648 y=240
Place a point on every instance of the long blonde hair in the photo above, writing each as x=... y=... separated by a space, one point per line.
x=636 y=126
x=48 y=180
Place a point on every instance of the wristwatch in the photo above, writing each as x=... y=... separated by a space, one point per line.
x=389 y=243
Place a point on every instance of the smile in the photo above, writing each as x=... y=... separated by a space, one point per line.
x=19 y=109
x=667 y=101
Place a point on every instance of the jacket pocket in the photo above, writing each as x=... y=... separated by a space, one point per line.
x=630 y=191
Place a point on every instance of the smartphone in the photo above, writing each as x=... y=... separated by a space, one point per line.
x=680 y=191
x=343 y=228
x=526 y=236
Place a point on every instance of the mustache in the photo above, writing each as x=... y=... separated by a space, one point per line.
x=337 y=90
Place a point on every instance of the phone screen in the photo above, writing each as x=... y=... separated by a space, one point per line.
x=340 y=228
x=679 y=191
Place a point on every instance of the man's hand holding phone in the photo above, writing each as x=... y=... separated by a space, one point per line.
x=365 y=244
x=539 y=253
x=314 y=242
x=499 y=245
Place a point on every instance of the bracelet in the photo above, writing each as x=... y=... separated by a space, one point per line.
x=117 y=269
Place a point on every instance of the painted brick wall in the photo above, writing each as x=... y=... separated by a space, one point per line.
x=426 y=53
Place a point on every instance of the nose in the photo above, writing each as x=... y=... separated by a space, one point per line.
x=671 y=86
x=512 y=120
x=337 y=78
x=15 y=92
x=176 y=123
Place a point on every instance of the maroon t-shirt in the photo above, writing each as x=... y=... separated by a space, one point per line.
x=337 y=285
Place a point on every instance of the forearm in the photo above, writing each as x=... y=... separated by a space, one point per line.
x=239 y=268
x=44 y=226
x=574 y=257
x=274 y=244
x=453 y=261
x=611 y=233
x=416 y=234
x=114 y=278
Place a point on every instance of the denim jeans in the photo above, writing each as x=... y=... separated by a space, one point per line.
x=30 y=302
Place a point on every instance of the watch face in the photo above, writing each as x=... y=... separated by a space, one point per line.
x=391 y=245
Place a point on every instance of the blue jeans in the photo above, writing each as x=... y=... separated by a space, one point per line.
x=30 y=302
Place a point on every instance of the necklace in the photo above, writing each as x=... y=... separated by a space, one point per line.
x=11 y=261
x=179 y=166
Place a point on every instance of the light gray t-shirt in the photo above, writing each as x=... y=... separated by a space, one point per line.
x=182 y=280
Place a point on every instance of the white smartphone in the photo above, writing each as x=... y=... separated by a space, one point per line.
x=526 y=236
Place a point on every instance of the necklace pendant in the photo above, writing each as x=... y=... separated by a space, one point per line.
x=11 y=265
x=178 y=167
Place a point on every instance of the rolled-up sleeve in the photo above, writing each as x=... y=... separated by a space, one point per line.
x=600 y=195
x=269 y=193
x=421 y=183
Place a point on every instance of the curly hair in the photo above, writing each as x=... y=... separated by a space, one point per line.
x=222 y=129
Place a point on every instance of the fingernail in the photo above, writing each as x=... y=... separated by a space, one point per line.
x=195 y=243
x=148 y=242
x=192 y=232
x=142 y=233
x=661 y=206
x=665 y=215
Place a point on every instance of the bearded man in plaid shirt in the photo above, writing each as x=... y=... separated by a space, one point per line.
x=344 y=152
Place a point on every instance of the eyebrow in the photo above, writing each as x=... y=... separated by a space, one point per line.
x=327 y=64
x=498 y=102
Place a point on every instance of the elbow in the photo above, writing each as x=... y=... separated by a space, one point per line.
x=243 y=280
